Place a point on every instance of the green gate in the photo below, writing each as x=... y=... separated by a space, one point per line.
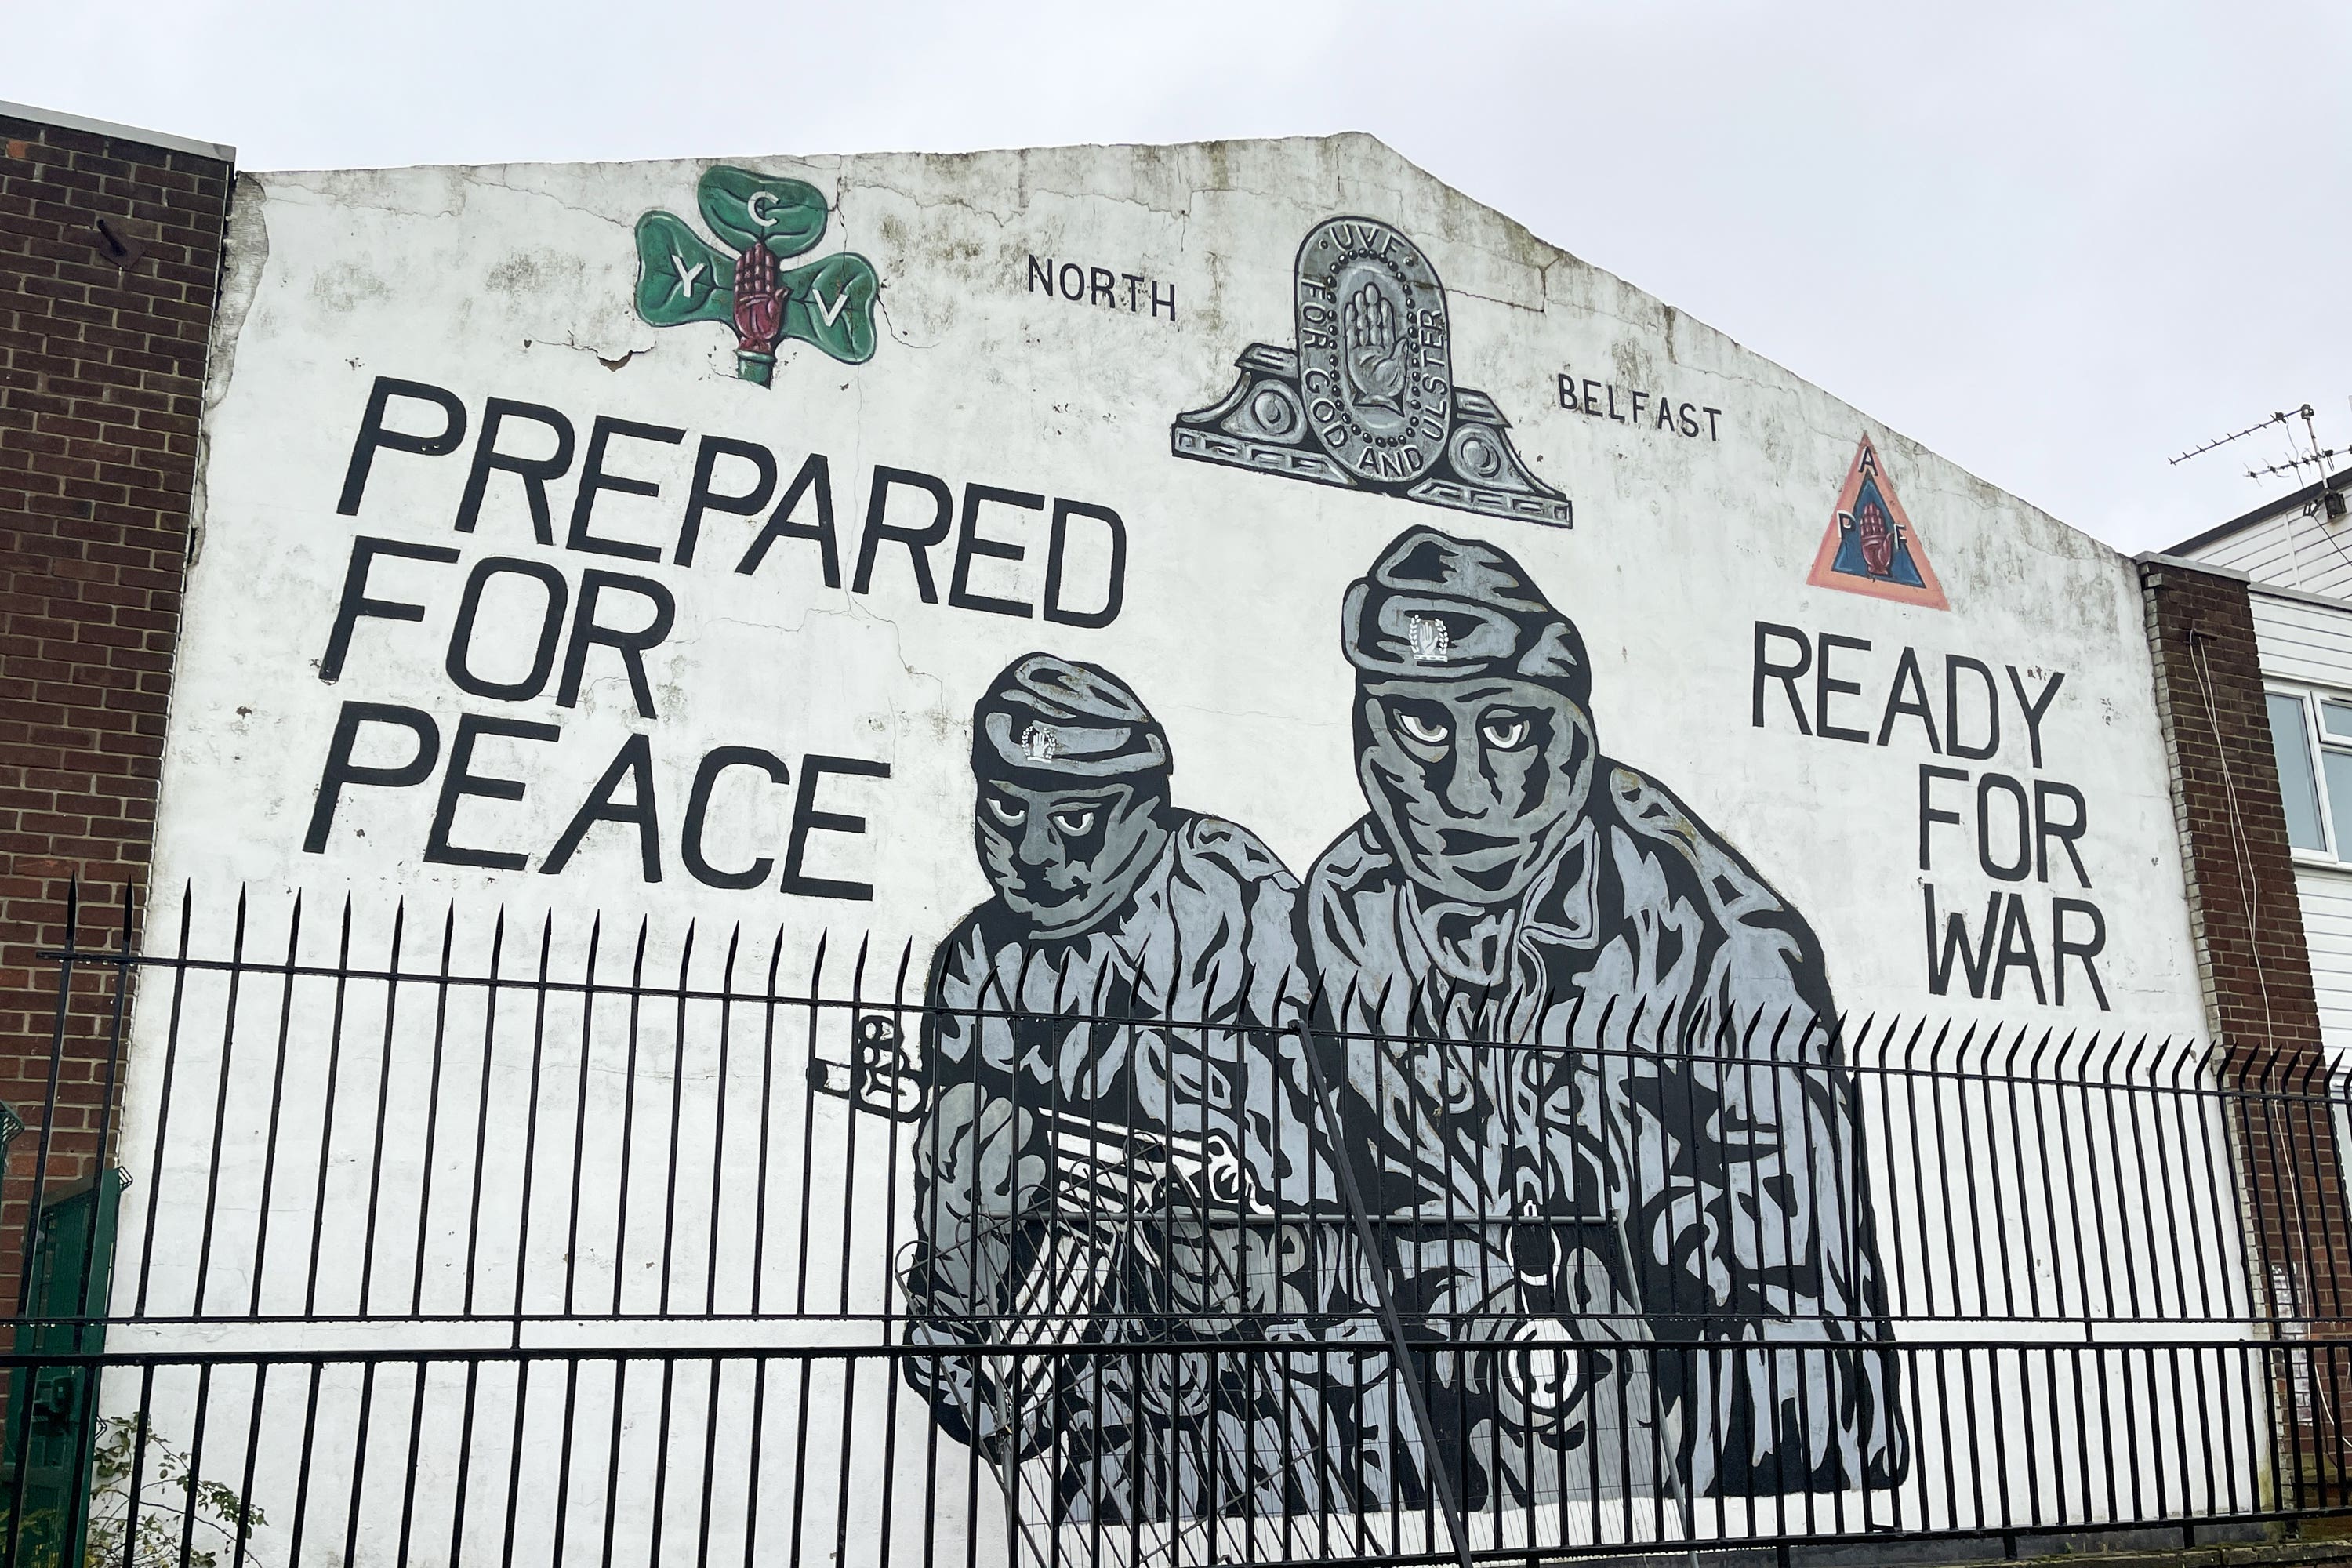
x=44 y=1459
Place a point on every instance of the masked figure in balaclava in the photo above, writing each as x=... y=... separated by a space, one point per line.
x=1092 y=1166
x=1592 y=1059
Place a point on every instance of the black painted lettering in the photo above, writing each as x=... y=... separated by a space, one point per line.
x=2016 y=951
x=1040 y=275
x=461 y=782
x=587 y=631
x=1930 y=812
x=807 y=819
x=2016 y=820
x=706 y=496
x=1788 y=675
x=917 y=541
x=634 y=763
x=1134 y=281
x=815 y=478
x=356 y=604
x=1073 y=280
x=1956 y=951
x=697 y=811
x=1592 y=397
x=342 y=770
x=1712 y=415
x=594 y=481
x=2035 y=707
x=1567 y=393
x=969 y=544
x=534 y=472
x=2048 y=826
x=1613 y=404
x=1115 y=575
x=459 y=663
x=1639 y=398
x=1907 y=695
x=375 y=436
x=1953 y=664
x=2063 y=947
x=1688 y=418
x=1170 y=301
x=1824 y=687
x=1098 y=290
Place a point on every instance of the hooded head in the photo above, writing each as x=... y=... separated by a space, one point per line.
x=1072 y=771
x=1474 y=744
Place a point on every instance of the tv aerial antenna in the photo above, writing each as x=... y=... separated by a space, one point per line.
x=2305 y=455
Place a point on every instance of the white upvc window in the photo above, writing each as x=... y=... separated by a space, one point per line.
x=2311 y=731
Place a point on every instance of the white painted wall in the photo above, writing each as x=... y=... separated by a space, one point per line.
x=516 y=283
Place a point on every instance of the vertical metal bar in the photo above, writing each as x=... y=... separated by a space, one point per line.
x=489 y=1056
x=890 y=1381
x=196 y=1462
x=1343 y=1164
x=561 y=1512
x=222 y=1073
x=628 y=1146
x=465 y=1451
x=359 y=1462
x=619 y=1413
x=383 y=1113
x=529 y=1178
x=712 y=1390
x=329 y=1102
x=588 y=992
x=661 y=1458
x=420 y=1369
x=721 y=1090
x=252 y=1457
x=277 y=1110
x=302 y=1473
x=677 y=1128
x=163 y=1102
x=520 y=1422
x=432 y=1130
x=757 y=1486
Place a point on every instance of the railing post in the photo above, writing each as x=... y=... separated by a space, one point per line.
x=1326 y=1108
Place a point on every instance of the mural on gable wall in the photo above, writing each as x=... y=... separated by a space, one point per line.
x=1676 y=1157
x=1430 y=1021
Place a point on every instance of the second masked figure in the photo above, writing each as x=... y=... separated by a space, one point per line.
x=1579 y=1056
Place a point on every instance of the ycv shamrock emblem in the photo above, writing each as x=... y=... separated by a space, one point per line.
x=765 y=220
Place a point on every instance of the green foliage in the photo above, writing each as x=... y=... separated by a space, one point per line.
x=173 y=1505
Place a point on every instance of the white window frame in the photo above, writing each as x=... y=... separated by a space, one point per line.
x=2335 y=857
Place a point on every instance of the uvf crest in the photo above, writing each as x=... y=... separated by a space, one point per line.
x=1365 y=400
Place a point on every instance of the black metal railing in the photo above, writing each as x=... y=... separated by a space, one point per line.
x=472 y=1240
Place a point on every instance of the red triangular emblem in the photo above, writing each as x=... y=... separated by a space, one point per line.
x=1871 y=547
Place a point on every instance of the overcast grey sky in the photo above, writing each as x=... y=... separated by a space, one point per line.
x=2056 y=242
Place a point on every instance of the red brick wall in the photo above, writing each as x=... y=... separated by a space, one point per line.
x=2255 y=967
x=102 y=382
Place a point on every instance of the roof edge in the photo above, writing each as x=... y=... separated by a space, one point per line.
x=107 y=128
x=2262 y=513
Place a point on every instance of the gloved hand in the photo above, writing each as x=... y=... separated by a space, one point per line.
x=759 y=299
